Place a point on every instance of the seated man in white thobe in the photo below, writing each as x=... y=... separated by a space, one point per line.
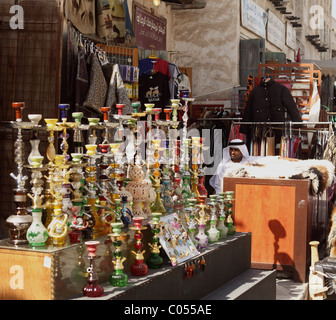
x=236 y=152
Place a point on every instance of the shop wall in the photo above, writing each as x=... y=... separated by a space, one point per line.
x=303 y=10
x=207 y=40
x=326 y=33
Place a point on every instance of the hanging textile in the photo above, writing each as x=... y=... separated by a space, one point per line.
x=117 y=93
x=150 y=66
x=82 y=15
x=98 y=87
x=173 y=81
x=154 y=89
x=111 y=20
x=270 y=143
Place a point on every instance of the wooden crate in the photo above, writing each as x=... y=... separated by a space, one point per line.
x=50 y=273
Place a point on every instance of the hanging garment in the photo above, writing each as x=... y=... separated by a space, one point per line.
x=154 y=89
x=270 y=143
x=150 y=66
x=82 y=79
x=173 y=81
x=98 y=88
x=269 y=101
x=314 y=112
x=117 y=93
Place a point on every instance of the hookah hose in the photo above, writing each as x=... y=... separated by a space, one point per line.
x=54 y=225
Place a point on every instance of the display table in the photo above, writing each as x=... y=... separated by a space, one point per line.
x=59 y=273
x=283 y=217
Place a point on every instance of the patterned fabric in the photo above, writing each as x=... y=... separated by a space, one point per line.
x=330 y=150
x=98 y=87
x=82 y=15
x=117 y=93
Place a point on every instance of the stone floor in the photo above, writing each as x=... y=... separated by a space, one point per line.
x=286 y=289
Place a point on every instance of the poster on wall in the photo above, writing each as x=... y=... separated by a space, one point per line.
x=253 y=17
x=150 y=31
x=275 y=30
x=291 y=36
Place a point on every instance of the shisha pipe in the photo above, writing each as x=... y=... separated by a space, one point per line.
x=149 y=149
x=19 y=223
x=64 y=125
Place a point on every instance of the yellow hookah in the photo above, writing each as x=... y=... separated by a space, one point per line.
x=50 y=153
x=157 y=205
x=194 y=172
x=91 y=180
x=57 y=229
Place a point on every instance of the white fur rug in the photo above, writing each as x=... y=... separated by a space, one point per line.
x=320 y=172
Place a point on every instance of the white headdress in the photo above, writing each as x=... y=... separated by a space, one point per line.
x=236 y=143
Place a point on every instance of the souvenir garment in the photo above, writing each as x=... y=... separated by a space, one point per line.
x=149 y=66
x=117 y=92
x=173 y=81
x=98 y=87
x=154 y=89
x=82 y=79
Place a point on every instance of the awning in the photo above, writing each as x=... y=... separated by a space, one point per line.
x=328 y=67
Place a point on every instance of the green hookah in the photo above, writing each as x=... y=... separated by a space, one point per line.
x=155 y=261
x=118 y=278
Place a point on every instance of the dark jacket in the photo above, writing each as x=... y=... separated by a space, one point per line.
x=268 y=102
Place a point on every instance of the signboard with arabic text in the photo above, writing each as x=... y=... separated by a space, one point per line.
x=150 y=31
x=253 y=17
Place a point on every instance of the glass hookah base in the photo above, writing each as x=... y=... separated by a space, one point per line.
x=17 y=233
x=154 y=262
x=40 y=244
x=93 y=290
x=118 y=279
x=139 y=269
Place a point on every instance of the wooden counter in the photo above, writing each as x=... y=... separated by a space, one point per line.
x=283 y=217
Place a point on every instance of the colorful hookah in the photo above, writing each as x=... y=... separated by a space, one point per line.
x=77 y=224
x=228 y=206
x=114 y=165
x=37 y=234
x=77 y=177
x=157 y=205
x=190 y=220
x=138 y=268
x=213 y=233
x=19 y=223
x=77 y=136
x=186 y=191
x=126 y=213
x=57 y=228
x=194 y=166
x=91 y=184
x=155 y=261
x=149 y=148
x=92 y=289
x=35 y=141
x=221 y=216
x=64 y=146
x=118 y=278
x=50 y=153
x=201 y=175
x=175 y=107
x=201 y=238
